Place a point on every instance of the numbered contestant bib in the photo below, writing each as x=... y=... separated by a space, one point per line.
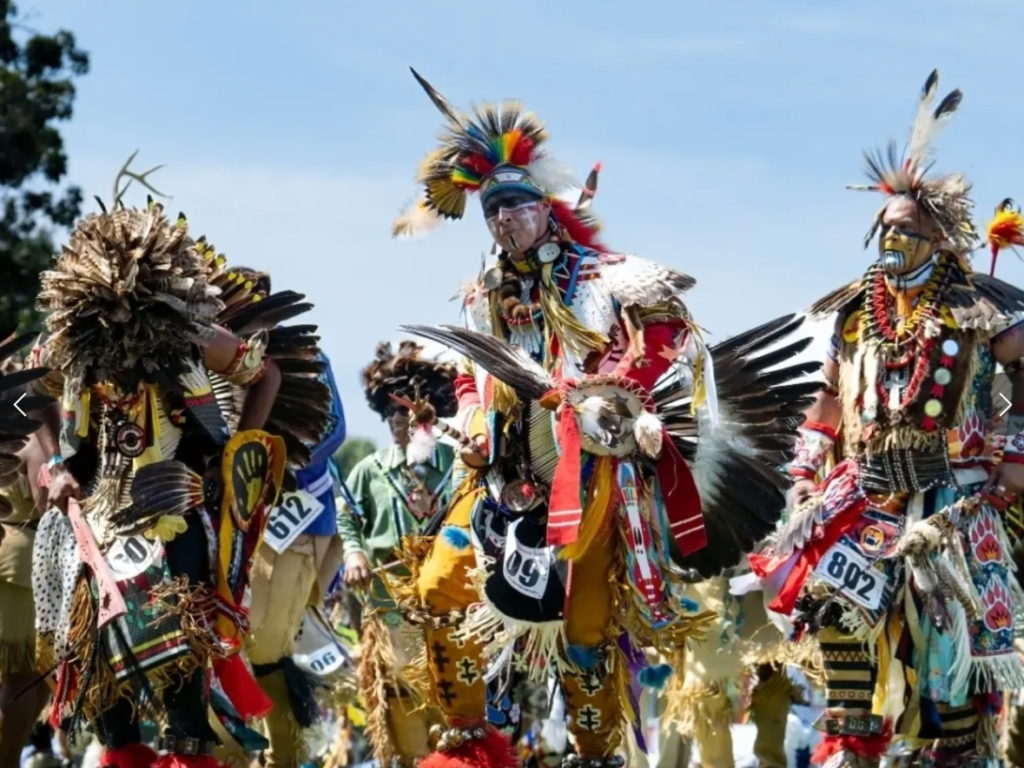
x=526 y=581
x=317 y=649
x=857 y=578
x=130 y=556
x=290 y=518
x=152 y=631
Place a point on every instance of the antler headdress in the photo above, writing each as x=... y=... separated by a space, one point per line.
x=945 y=198
x=411 y=376
x=498 y=147
x=128 y=296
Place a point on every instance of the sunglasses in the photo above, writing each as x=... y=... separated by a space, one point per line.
x=509 y=200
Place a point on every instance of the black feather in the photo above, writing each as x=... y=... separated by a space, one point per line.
x=929 y=84
x=19 y=378
x=164 y=488
x=761 y=405
x=948 y=105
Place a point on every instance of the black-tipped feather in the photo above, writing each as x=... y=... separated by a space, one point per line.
x=948 y=105
x=503 y=361
x=738 y=465
x=17 y=379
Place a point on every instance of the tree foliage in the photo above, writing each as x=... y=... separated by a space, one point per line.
x=352 y=451
x=37 y=92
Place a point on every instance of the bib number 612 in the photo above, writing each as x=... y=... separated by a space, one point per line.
x=290 y=518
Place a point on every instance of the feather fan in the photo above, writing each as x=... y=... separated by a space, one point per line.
x=737 y=466
x=164 y=488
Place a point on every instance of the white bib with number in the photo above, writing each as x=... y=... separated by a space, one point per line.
x=290 y=518
x=129 y=556
x=316 y=650
x=853 y=575
x=526 y=569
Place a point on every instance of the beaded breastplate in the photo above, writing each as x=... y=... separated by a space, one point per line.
x=903 y=380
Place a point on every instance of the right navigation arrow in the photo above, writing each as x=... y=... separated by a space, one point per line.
x=1008 y=405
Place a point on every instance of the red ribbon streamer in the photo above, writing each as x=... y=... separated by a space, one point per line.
x=565 y=512
x=681 y=499
x=811 y=555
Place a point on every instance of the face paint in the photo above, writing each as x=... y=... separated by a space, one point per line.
x=517 y=225
x=902 y=251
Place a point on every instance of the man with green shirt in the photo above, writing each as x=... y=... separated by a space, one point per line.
x=394 y=493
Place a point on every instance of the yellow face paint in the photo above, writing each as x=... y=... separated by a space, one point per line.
x=903 y=252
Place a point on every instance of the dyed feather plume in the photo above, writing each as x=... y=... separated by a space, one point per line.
x=469 y=148
x=128 y=297
x=945 y=198
x=1006 y=230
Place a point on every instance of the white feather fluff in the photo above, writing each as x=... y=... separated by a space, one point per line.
x=551 y=176
x=589 y=413
x=421 y=446
x=648 y=432
x=715 y=441
x=417 y=219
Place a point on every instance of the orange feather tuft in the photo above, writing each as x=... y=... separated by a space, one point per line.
x=1006 y=230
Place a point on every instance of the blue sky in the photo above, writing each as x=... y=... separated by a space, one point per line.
x=728 y=130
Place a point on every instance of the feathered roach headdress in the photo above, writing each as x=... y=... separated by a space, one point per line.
x=411 y=376
x=129 y=296
x=944 y=198
x=498 y=147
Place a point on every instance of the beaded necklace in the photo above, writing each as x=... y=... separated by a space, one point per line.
x=908 y=343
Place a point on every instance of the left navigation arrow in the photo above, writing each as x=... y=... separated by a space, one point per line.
x=23 y=394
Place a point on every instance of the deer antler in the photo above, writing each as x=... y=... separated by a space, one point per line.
x=125 y=172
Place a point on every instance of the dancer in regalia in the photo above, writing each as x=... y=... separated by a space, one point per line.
x=20 y=507
x=182 y=401
x=589 y=485
x=394 y=493
x=895 y=554
x=741 y=643
x=292 y=571
x=1006 y=231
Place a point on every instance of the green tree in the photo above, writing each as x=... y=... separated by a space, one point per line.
x=37 y=73
x=352 y=451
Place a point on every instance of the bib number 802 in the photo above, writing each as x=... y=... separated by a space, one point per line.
x=854 y=575
x=850 y=575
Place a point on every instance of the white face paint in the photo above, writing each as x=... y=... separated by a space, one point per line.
x=516 y=228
